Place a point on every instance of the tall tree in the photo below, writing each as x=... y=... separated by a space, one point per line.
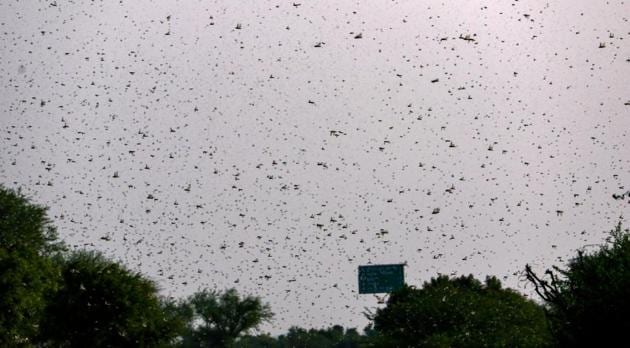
x=588 y=302
x=460 y=312
x=102 y=304
x=223 y=317
x=27 y=273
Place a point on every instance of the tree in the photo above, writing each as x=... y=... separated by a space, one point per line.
x=223 y=317
x=460 y=312
x=102 y=304
x=333 y=337
x=588 y=302
x=258 y=341
x=27 y=272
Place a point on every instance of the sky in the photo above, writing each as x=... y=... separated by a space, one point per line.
x=275 y=146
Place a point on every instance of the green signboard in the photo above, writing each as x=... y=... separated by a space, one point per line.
x=374 y=279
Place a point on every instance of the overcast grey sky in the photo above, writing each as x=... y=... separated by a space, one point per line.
x=274 y=147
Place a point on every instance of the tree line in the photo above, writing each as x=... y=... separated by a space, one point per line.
x=51 y=296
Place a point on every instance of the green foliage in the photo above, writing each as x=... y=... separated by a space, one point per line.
x=460 y=312
x=223 y=317
x=27 y=273
x=332 y=337
x=588 y=302
x=102 y=304
x=259 y=341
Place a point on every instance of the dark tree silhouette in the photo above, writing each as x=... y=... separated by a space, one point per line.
x=588 y=303
x=333 y=337
x=223 y=317
x=102 y=304
x=27 y=273
x=460 y=312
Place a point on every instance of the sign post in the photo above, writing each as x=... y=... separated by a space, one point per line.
x=374 y=279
